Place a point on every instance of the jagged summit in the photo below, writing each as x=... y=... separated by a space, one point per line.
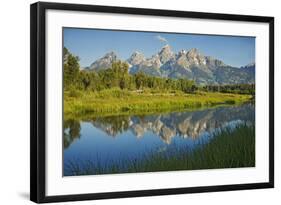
x=165 y=54
x=195 y=57
x=104 y=62
x=111 y=54
x=249 y=68
x=214 y=63
x=182 y=52
x=249 y=65
x=193 y=52
x=189 y=64
x=166 y=46
x=136 y=58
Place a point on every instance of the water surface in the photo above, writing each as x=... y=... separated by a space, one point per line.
x=105 y=141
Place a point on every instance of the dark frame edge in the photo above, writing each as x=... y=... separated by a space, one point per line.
x=37 y=103
x=271 y=101
x=33 y=103
x=155 y=192
x=153 y=12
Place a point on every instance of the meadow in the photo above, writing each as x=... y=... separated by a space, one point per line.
x=82 y=103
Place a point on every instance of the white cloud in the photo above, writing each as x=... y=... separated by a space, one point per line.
x=162 y=39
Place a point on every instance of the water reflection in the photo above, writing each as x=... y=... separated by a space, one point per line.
x=185 y=124
x=71 y=131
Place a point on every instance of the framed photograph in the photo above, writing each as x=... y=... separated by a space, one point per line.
x=129 y=102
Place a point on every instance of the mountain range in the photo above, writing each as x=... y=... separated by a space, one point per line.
x=188 y=64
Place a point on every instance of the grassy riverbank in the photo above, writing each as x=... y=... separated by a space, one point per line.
x=77 y=103
x=228 y=149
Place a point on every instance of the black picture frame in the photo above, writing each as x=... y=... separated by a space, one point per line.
x=38 y=101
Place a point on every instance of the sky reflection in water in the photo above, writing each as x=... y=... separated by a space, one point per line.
x=107 y=140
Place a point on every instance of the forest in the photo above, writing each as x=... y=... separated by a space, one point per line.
x=116 y=90
x=118 y=76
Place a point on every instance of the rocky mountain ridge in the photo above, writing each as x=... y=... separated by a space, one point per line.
x=188 y=64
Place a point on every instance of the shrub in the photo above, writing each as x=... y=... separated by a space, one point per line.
x=74 y=93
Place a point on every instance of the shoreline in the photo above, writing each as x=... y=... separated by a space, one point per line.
x=123 y=102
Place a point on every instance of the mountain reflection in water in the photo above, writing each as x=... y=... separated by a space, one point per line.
x=185 y=124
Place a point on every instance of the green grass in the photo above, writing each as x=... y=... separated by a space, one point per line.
x=77 y=103
x=228 y=149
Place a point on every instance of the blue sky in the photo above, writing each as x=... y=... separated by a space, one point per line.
x=91 y=44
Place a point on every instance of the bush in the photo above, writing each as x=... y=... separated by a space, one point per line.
x=74 y=93
x=114 y=92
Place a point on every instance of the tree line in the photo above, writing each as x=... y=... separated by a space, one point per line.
x=235 y=88
x=118 y=76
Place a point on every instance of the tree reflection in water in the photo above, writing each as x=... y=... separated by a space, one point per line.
x=185 y=124
x=71 y=132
